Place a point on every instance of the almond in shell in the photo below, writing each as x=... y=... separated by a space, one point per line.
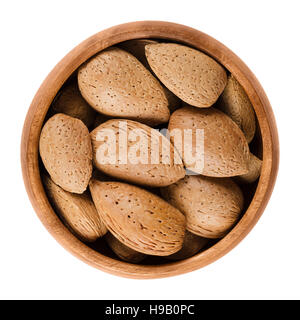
x=223 y=149
x=139 y=219
x=115 y=83
x=137 y=48
x=190 y=74
x=136 y=153
x=70 y=102
x=192 y=244
x=211 y=205
x=235 y=103
x=66 y=151
x=76 y=210
x=254 y=170
x=123 y=252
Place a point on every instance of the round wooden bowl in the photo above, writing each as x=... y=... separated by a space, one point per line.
x=267 y=143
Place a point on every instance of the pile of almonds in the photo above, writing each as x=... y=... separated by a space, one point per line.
x=167 y=208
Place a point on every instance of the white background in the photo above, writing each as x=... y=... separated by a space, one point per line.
x=35 y=35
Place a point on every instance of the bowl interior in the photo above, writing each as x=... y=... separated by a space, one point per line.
x=248 y=189
x=264 y=145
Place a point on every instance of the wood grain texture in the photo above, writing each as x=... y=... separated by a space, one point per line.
x=63 y=70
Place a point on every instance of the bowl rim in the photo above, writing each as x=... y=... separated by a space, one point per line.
x=63 y=70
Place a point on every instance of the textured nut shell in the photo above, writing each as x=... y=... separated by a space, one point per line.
x=137 y=48
x=76 y=210
x=174 y=102
x=235 y=103
x=138 y=218
x=226 y=151
x=66 y=151
x=254 y=170
x=155 y=175
x=123 y=252
x=192 y=244
x=211 y=205
x=70 y=102
x=115 y=83
x=190 y=74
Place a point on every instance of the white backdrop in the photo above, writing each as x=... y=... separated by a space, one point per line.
x=35 y=35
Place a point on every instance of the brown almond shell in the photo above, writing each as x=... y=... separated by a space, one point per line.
x=191 y=75
x=139 y=219
x=211 y=205
x=137 y=48
x=77 y=211
x=122 y=251
x=192 y=244
x=236 y=104
x=254 y=171
x=165 y=169
x=225 y=151
x=116 y=84
x=70 y=102
x=66 y=151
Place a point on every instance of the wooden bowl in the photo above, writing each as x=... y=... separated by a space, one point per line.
x=268 y=143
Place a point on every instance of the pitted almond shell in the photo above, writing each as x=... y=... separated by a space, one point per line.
x=70 y=102
x=66 y=151
x=139 y=219
x=162 y=171
x=236 y=104
x=123 y=252
x=76 y=210
x=137 y=48
x=115 y=83
x=211 y=205
x=225 y=152
x=190 y=74
x=192 y=244
x=254 y=170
